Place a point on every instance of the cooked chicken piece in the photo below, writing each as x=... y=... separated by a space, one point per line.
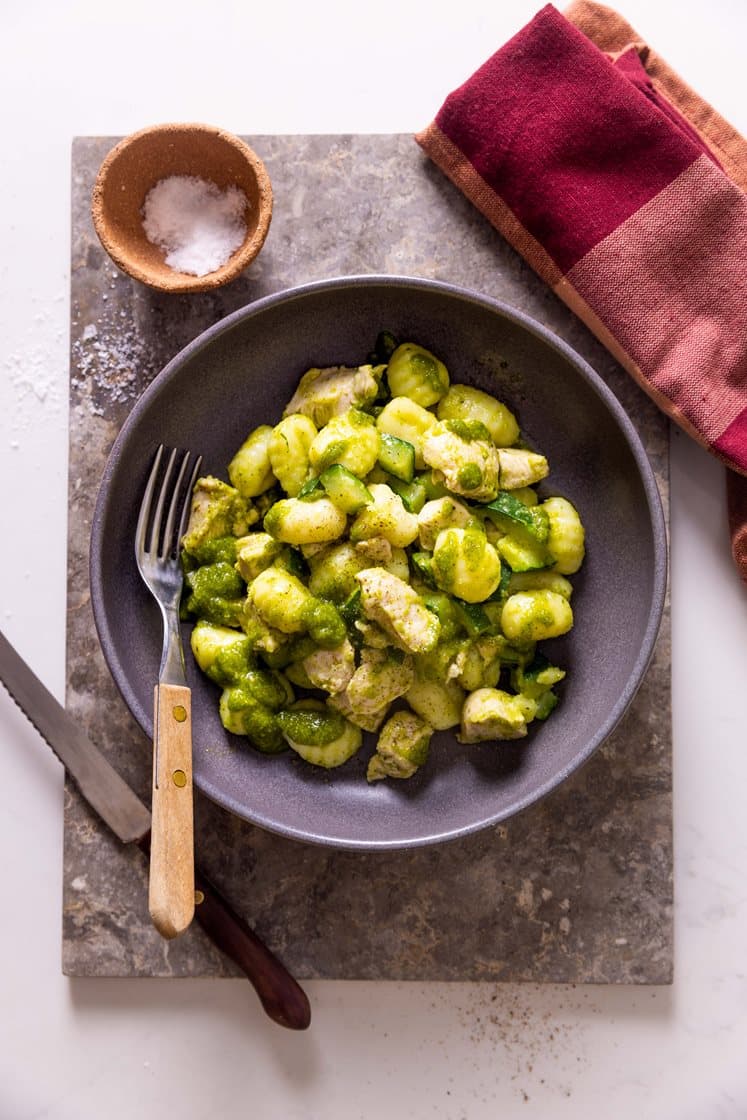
x=367 y=722
x=331 y=669
x=324 y=393
x=402 y=747
x=381 y=677
x=521 y=468
x=255 y=552
x=217 y=510
x=468 y=466
x=392 y=603
x=377 y=550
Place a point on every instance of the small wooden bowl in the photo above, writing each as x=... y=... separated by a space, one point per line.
x=140 y=161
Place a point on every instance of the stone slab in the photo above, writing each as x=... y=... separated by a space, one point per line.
x=576 y=889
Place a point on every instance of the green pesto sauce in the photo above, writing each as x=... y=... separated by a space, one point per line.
x=445 y=560
x=427 y=368
x=469 y=476
x=333 y=452
x=217 y=549
x=233 y=663
x=324 y=624
x=312 y=728
x=217 y=593
x=358 y=419
x=255 y=720
x=265 y=689
x=468 y=429
x=473 y=547
x=216 y=580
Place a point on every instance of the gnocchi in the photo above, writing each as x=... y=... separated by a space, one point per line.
x=383 y=543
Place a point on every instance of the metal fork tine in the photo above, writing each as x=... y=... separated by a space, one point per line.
x=167 y=546
x=187 y=500
x=155 y=538
x=144 y=515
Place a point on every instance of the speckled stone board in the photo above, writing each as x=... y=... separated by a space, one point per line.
x=575 y=889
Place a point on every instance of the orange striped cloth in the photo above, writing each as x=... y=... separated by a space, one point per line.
x=626 y=192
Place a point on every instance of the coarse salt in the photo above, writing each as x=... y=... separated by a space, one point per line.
x=196 y=224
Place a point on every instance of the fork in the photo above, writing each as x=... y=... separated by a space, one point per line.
x=161 y=525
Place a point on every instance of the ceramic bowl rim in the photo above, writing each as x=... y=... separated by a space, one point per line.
x=655 y=514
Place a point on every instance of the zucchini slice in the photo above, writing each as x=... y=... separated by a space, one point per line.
x=397 y=457
x=473 y=617
x=346 y=490
x=523 y=555
x=411 y=493
x=509 y=513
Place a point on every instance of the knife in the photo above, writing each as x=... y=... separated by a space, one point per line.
x=122 y=810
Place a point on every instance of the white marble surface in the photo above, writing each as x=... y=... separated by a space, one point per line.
x=87 y=1049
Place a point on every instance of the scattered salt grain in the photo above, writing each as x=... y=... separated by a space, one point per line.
x=196 y=224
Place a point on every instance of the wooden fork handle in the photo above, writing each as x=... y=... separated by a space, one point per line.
x=171 y=891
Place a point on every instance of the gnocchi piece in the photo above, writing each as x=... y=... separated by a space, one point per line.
x=441 y=513
x=223 y=654
x=280 y=599
x=250 y=470
x=298 y=522
x=416 y=373
x=333 y=571
x=532 y=616
x=288 y=451
x=565 y=542
x=242 y=713
x=350 y=440
x=466 y=565
x=462 y=402
x=438 y=702
x=540 y=581
x=385 y=517
x=319 y=734
x=408 y=421
x=491 y=713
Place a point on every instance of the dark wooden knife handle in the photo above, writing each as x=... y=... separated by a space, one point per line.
x=282 y=997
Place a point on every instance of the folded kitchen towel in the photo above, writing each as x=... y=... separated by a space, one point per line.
x=625 y=191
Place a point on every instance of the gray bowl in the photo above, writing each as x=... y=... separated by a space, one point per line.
x=239 y=374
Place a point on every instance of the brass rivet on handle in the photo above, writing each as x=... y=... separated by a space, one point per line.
x=179 y=713
x=180 y=778
x=199 y=897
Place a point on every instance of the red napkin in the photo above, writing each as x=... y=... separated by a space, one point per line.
x=626 y=193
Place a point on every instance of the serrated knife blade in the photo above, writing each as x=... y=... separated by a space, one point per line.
x=122 y=810
x=103 y=788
